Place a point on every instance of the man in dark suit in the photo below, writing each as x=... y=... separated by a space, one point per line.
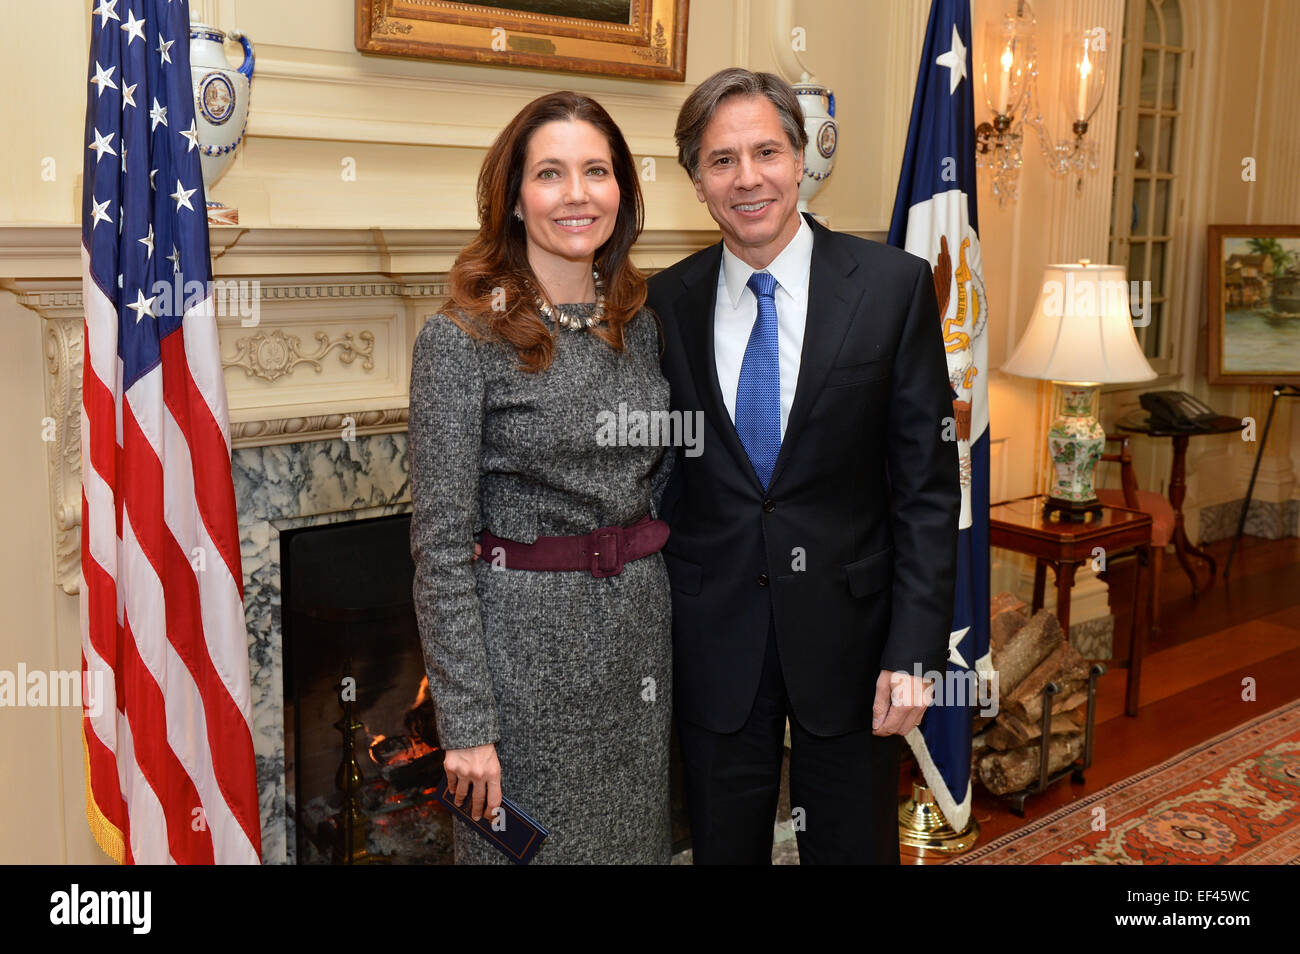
x=813 y=544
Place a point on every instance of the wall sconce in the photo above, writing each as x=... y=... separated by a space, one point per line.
x=1010 y=92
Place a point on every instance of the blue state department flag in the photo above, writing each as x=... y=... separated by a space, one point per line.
x=934 y=217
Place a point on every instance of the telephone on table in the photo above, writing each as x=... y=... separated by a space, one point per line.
x=1176 y=410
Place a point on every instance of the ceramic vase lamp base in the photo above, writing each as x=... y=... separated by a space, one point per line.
x=1075 y=441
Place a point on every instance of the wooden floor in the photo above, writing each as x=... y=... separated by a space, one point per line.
x=1192 y=679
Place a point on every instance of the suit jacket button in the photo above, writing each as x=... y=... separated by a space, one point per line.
x=762 y=579
x=768 y=506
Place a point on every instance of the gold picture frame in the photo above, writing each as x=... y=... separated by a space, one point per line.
x=572 y=36
x=1253 y=298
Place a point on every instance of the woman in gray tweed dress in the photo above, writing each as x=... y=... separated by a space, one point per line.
x=552 y=686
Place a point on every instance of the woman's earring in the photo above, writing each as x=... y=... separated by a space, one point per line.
x=518 y=215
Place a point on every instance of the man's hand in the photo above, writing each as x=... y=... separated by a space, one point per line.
x=477 y=767
x=901 y=700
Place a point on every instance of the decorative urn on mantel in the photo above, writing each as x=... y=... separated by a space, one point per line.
x=221 y=99
x=818 y=104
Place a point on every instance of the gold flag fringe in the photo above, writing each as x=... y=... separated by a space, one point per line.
x=106 y=834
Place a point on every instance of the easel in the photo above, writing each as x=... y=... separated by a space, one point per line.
x=1279 y=390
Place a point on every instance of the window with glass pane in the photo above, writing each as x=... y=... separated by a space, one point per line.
x=1143 y=199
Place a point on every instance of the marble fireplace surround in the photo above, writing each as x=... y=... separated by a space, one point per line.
x=281 y=487
x=317 y=390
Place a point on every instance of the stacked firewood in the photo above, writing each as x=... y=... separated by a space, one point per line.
x=1027 y=653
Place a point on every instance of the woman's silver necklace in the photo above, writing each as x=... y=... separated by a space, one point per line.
x=576 y=322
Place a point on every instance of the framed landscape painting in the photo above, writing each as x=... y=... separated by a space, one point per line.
x=1253 y=294
x=636 y=38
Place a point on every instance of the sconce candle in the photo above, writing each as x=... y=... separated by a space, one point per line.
x=1004 y=86
x=1010 y=36
x=1088 y=75
x=1084 y=69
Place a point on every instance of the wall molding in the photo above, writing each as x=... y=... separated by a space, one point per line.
x=317 y=427
x=381 y=102
x=270 y=356
x=63 y=357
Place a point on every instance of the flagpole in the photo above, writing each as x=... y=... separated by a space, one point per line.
x=935 y=218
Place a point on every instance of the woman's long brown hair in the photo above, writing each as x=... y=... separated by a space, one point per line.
x=492 y=282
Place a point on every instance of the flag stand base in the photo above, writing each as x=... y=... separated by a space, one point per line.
x=923 y=831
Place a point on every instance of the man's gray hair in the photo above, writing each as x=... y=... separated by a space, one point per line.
x=703 y=102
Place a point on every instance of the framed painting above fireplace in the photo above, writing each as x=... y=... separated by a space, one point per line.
x=633 y=38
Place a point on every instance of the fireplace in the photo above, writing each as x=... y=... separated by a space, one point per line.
x=284 y=490
x=281 y=490
x=362 y=756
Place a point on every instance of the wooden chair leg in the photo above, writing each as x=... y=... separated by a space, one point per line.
x=1153 y=590
x=1139 y=631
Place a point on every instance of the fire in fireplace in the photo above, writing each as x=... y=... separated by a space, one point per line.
x=360 y=734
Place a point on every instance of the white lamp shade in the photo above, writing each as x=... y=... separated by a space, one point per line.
x=1081 y=329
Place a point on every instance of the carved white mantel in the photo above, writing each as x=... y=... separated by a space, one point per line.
x=59 y=304
x=337 y=313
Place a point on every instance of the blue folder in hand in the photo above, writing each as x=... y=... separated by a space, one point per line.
x=518 y=839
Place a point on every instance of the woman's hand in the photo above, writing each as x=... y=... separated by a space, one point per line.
x=477 y=768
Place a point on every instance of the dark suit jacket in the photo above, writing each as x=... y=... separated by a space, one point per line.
x=852 y=549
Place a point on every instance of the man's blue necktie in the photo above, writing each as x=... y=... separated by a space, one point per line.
x=758 y=395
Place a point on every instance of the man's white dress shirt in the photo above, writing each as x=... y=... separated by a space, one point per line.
x=736 y=311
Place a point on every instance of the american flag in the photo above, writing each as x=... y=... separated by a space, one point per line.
x=170 y=772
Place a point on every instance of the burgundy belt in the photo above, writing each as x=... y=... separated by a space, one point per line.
x=603 y=551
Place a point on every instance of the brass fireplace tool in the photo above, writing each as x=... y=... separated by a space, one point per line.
x=346 y=830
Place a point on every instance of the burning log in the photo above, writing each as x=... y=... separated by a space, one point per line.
x=421 y=721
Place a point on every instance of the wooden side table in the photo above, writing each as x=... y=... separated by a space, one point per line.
x=1139 y=422
x=1021 y=526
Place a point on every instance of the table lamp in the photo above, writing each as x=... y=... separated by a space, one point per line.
x=1080 y=336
